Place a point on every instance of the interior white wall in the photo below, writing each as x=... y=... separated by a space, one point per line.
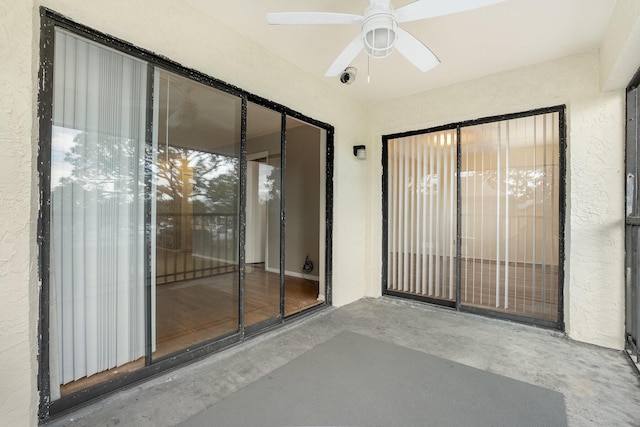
x=302 y=202
x=594 y=290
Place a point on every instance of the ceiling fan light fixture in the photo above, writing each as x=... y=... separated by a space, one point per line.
x=379 y=34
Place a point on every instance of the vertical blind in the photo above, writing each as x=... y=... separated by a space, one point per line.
x=510 y=209
x=509 y=212
x=422 y=214
x=97 y=209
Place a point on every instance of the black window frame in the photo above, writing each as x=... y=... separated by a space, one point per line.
x=559 y=324
x=632 y=219
x=49 y=20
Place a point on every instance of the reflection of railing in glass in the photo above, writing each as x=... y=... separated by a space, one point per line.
x=210 y=249
x=196 y=235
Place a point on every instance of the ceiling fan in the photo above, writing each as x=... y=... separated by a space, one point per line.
x=380 y=32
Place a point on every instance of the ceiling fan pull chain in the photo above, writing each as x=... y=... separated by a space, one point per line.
x=368 y=71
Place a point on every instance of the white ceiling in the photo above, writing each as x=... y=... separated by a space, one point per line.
x=471 y=44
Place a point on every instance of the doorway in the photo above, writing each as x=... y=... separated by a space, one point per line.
x=185 y=215
x=284 y=220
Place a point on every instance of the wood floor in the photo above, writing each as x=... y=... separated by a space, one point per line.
x=532 y=290
x=198 y=310
x=194 y=311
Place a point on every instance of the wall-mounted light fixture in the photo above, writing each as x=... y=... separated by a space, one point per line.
x=360 y=151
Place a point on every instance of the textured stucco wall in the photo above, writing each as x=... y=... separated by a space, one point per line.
x=18 y=198
x=179 y=32
x=595 y=239
x=594 y=267
x=594 y=291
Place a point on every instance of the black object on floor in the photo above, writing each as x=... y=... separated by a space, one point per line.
x=354 y=380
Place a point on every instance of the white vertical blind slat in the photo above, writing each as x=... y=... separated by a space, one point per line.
x=418 y=209
x=471 y=230
x=452 y=211
x=551 y=207
x=400 y=215
x=525 y=256
x=396 y=235
x=405 y=219
x=398 y=201
x=392 y=214
x=544 y=213
x=507 y=233
x=498 y=239
x=465 y=250
x=444 y=191
x=438 y=215
x=412 y=202
x=535 y=217
x=431 y=144
x=426 y=219
x=154 y=208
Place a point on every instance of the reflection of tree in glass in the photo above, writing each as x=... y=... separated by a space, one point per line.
x=107 y=165
x=98 y=198
x=272 y=185
x=208 y=181
x=524 y=184
x=196 y=197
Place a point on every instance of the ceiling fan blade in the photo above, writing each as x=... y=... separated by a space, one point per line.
x=423 y=9
x=415 y=51
x=344 y=59
x=287 y=18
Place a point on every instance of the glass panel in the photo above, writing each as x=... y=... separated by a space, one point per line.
x=195 y=210
x=510 y=209
x=632 y=232
x=97 y=215
x=422 y=215
x=303 y=205
x=262 y=246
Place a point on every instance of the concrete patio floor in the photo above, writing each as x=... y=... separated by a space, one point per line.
x=600 y=386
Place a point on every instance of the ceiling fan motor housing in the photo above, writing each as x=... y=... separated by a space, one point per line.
x=379 y=32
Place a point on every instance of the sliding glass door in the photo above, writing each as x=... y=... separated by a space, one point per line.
x=510 y=192
x=263 y=287
x=194 y=210
x=422 y=215
x=133 y=250
x=97 y=226
x=304 y=212
x=632 y=222
x=180 y=215
x=474 y=218
x=284 y=213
